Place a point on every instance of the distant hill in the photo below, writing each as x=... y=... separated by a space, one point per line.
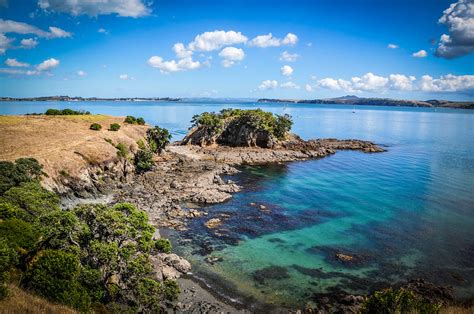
x=359 y=101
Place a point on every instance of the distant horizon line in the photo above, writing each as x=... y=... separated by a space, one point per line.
x=6 y=98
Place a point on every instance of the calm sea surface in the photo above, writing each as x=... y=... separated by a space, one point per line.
x=402 y=214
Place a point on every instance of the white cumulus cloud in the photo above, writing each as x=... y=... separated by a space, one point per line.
x=392 y=46
x=181 y=51
x=47 y=64
x=369 y=82
x=420 y=54
x=81 y=73
x=268 y=84
x=124 y=77
x=447 y=83
x=335 y=84
x=210 y=41
x=4 y=43
x=400 y=82
x=230 y=55
x=172 y=65
x=459 y=18
x=16 y=63
x=29 y=43
x=288 y=57
x=268 y=40
x=286 y=70
x=125 y=8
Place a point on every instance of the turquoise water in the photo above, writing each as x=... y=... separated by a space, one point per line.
x=402 y=214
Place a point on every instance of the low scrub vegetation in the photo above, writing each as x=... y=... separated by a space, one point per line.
x=276 y=125
x=114 y=127
x=398 y=301
x=143 y=160
x=91 y=257
x=65 y=112
x=133 y=120
x=157 y=139
x=95 y=127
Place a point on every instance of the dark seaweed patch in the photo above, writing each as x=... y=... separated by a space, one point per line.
x=270 y=273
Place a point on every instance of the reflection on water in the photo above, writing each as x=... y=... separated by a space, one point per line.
x=400 y=214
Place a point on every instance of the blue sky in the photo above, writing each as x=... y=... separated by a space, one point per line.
x=318 y=49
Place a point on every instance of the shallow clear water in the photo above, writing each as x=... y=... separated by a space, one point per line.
x=402 y=214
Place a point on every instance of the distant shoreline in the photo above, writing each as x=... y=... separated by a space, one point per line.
x=68 y=98
x=359 y=101
x=345 y=100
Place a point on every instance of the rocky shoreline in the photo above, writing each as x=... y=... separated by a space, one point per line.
x=188 y=176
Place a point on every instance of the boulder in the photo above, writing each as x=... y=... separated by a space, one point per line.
x=213 y=223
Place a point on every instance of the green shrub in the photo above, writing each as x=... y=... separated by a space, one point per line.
x=108 y=140
x=163 y=245
x=171 y=290
x=18 y=234
x=258 y=119
x=158 y=138
x=130 y=120
x=149 y=293
x=95 y=126
x=22 y=170
x=8 y=210
x=54 y=275
x=133 y=120
x=141 y=144
x=390 y=301
x=211 y=120
x=143 y=160
x=122 y=150
x=32 y=199
x=65 y=112
x=114 y=127
x=7 y=260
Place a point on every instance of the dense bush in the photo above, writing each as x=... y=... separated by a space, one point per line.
x=22 y=170
x=163 y=245
x=122 y=150
x=54 y=275
x=390 y=301
x=157 y=139
x=143 y=160
x=65 y=112
x=7 y=259
x=95 y=126
x=114 y=127
x=133 y=120
x=92 y=254
x=258 y=119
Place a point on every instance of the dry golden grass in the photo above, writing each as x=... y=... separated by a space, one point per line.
x=22 y=302
x=457 y=310
x=64 y=143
